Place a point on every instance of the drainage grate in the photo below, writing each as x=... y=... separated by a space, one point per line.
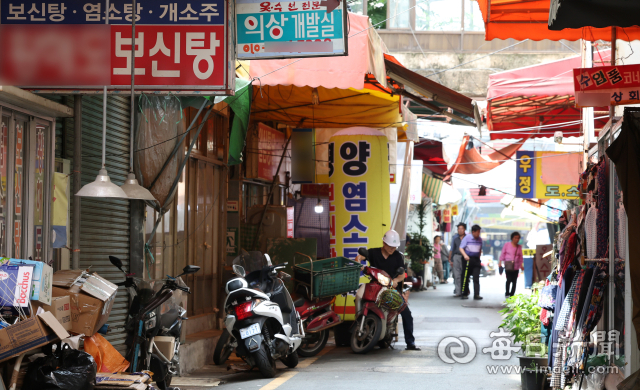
x=467 y=320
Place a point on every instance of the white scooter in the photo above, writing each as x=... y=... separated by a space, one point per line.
x=262 y=323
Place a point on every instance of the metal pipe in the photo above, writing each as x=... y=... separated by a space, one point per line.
x=104 y=125
x=133 y=72
x=614 y=38
x=77 y=181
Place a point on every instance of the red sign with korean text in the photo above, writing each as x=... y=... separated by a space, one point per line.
x=270 y=147
x=315 y=190
x=621 y=83
x=169 y=55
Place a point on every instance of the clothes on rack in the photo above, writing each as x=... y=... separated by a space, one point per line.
x=602 y=223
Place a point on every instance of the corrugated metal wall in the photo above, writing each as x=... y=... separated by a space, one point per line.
x=104 y=223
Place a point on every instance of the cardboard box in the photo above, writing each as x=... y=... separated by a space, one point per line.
x=61 y=309
x=29 y=334
x=41 y=281
x=90 y=296
x=15 y=289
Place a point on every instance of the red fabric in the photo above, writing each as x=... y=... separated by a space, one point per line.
x=430 y=153
x=522 y=19
x=537 y=95
x=472 y=162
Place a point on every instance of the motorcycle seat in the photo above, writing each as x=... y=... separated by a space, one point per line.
x=299 y=302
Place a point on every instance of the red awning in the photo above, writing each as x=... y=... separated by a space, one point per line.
x=522 y=19
x=538 y=95
x=470 y=161
x=430 y=152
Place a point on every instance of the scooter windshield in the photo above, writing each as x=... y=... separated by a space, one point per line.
x=251 y=261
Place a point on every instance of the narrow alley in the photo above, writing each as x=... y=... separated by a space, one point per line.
x=437 y=315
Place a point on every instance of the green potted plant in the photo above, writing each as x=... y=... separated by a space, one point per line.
x=419 y=249
x=521 y=317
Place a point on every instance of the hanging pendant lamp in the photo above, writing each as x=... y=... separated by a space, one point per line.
x=102 y=187
x=131 y=186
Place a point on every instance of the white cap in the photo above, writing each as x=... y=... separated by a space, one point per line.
x=391 y=238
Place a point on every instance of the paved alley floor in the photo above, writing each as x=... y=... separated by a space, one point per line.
x=437 y=315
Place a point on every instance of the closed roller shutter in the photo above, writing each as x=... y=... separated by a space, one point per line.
x=104 y=223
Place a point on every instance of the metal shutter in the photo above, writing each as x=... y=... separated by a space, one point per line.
x=104 y=223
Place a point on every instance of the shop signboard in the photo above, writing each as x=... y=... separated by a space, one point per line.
x=271 y=143
x=538 y=176
x=314 y=190
x=454 y=210
x=415 y=183
x=180 y=45
x=542 y=263
x=446 y=215
x=290 y=29
x=290 y=215
x=607 y=85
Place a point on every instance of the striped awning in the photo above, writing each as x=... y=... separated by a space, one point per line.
x=431 y=187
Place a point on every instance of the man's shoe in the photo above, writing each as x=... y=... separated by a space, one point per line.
x=477 y=297
x=465 y=297
x=507 y=295
x=412 y=348
x=457 y=295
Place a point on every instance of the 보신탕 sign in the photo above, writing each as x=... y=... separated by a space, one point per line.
x=547 y=175
x=607 y=85
x=179 y=45
x=287 y=29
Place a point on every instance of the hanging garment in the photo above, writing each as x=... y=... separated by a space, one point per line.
x=563 y=316
x=602 y=223
x=596 y=304
x=624 y=152
x=590 y=232
x=545 y=317
x=621 y=232
x=569 y=255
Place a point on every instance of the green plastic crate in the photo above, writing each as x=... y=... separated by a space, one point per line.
x=333 y=276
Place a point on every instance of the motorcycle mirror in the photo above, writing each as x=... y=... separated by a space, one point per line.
x=399 y=271
x=362 y=251
x=117 y=262
x=190 y=269
x=239 y=270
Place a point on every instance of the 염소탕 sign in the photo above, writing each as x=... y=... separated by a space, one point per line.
x=288 y=29
x=538 y=175
x=179 y=45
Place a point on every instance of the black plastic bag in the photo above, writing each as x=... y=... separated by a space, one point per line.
x=67 y=369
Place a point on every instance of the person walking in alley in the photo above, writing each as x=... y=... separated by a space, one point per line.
x=512 y=261
x=389 y=260
x=455 y=258
x=471 y=249
x=444 y=255
x=437 y=259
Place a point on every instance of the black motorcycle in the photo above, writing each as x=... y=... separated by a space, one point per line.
x=154 y=324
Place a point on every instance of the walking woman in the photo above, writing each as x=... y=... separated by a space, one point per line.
x=511 y=260
x=437 y=259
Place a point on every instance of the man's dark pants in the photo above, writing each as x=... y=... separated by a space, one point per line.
x=471 y=267
x=407 y=326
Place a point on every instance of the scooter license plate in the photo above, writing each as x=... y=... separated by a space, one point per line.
x=250 y=331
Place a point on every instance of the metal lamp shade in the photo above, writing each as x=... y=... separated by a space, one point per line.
x=135 y=190
x=102 y=187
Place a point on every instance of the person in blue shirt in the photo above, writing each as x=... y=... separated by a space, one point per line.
x=471 y=249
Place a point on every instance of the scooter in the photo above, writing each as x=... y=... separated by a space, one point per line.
x=377 y=307
x=317 y=318
x=262 y=324
x=155 y=316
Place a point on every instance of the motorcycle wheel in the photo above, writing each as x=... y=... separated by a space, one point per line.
x=313 y=343
x=370 y=334
x=291 y=360
x=266 y=366
x=223 y=349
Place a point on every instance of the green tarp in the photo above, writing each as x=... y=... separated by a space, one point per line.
x=240 y=104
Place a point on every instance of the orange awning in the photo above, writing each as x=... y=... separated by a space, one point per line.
x=470 y=161
x=522 y=19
